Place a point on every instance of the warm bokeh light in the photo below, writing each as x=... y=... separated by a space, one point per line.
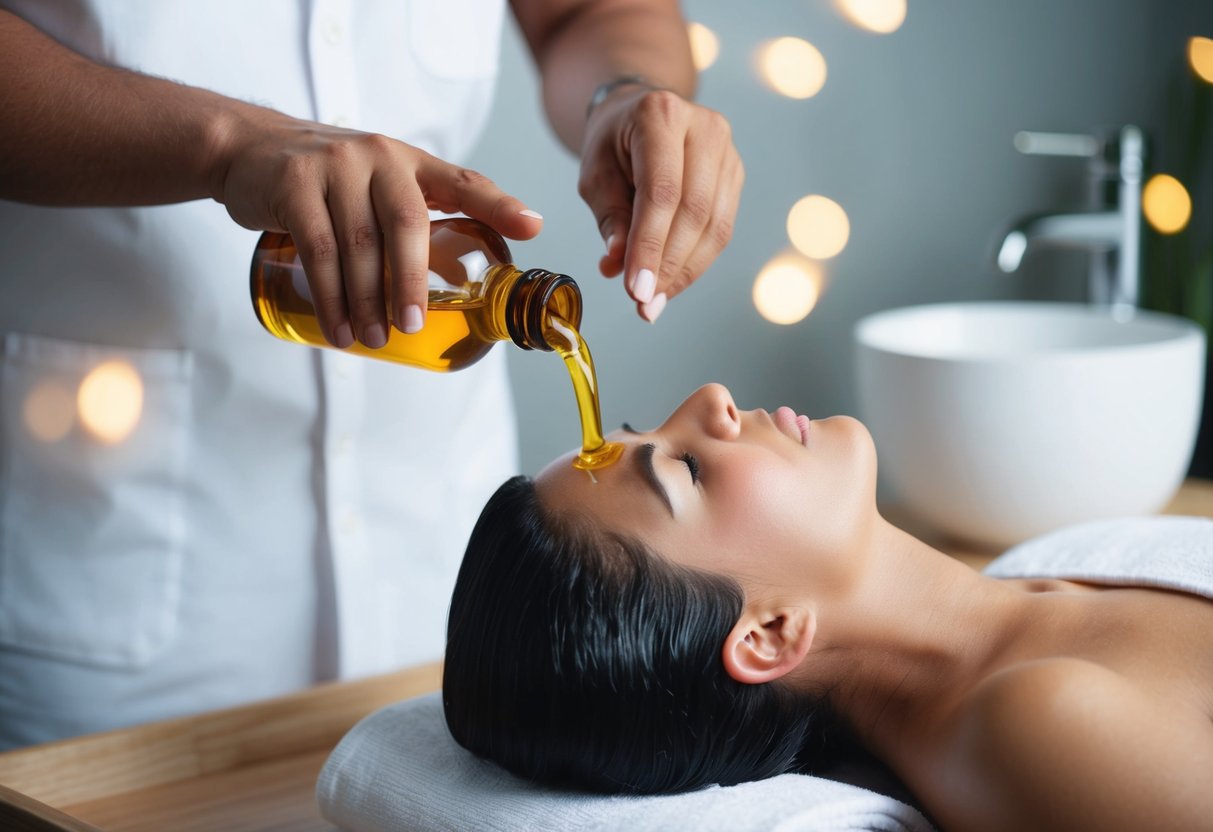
x=705 y=46
x=879 y=16
x=1166 y=204
x=792 y=67
x=787 y=288
x=49 y=411
x=110 y=401
x=1200 y=56
x=818 y=227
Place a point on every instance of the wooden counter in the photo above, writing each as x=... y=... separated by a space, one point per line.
x=253 y=768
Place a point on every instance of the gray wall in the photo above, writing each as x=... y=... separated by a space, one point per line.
x=911 y=135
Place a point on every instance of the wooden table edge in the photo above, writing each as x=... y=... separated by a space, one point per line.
x=80 y=769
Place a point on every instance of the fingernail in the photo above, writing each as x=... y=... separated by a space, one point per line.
x=375 y=337
x=644 y=285
x=532 y=214
x=412 y=318
x=653 y=308
x=344 y=335
x=610 y=243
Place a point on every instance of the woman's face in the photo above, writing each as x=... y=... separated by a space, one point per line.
x=764 y=498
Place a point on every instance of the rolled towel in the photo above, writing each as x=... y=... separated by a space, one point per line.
x=400 y=769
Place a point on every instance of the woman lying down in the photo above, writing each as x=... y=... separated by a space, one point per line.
x=726 y=597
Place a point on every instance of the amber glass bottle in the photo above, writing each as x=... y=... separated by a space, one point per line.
x=477 y=297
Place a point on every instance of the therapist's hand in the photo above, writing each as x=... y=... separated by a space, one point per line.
x=347 y=198
x=664 y=180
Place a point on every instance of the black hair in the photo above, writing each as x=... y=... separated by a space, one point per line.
x=577 y=657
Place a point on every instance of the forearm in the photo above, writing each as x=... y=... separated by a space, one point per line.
x=580 y=44
x=76 y=132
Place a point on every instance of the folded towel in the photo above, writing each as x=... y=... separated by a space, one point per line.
x=1162 y=552
x=399 y=769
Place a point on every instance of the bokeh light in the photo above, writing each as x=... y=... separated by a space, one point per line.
x=705 y=46
x=879 y=16
x=787 y=288
x=792 y=67
x=1166 y=204
x=110 y=401
x=818 y=227
x=1200 y=56
x=49 y=411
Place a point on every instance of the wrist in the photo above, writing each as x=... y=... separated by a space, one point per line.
x=220 y=132
x=231 y=127
x=604 y=90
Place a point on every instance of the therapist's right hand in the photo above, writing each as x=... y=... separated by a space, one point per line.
x=348 y=199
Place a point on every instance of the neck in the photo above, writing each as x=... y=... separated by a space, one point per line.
x=916 y=631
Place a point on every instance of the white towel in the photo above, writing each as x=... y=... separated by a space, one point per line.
x=399 y=768
x=1164 y=552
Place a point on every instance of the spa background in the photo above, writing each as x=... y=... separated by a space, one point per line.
x=910 y=134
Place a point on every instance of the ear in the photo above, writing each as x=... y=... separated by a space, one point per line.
x=766 y=644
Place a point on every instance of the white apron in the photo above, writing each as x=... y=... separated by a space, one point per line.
x=277 y=515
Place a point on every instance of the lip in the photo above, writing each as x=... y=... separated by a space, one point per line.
x=794 y=425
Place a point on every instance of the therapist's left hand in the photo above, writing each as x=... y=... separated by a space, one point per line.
x=664 y=180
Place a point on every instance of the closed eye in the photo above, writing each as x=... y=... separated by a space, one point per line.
x=689 y=459
x=692 y=463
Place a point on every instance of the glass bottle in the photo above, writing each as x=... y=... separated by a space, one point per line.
x=477 y=297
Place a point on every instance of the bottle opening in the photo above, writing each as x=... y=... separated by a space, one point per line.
x=537 y=295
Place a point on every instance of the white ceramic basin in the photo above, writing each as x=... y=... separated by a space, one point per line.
x=998 y=421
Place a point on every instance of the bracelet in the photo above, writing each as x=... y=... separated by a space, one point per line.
x=609 y=87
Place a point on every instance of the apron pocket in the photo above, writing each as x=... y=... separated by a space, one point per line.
x=93 y=444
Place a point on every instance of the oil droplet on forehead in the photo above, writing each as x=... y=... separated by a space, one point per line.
x=596 y=452
x=606 y=454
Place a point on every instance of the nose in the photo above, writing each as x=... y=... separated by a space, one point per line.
x=711 y=410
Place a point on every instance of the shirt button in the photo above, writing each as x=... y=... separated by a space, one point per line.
x=341 y=121
x=343 y=444
x=341 y=370
x=332 y=31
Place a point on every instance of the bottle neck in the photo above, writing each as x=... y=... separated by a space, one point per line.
x=534 y=296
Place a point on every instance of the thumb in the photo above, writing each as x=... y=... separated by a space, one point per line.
x=612 y=209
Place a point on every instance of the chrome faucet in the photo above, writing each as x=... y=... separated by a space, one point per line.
x=1112 y=234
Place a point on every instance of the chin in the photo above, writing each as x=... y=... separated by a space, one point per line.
x=862 y=451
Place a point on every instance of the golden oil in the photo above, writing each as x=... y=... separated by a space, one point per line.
x=477 y=297
x=595 y=451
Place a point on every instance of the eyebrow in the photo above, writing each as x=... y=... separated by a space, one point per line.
x=644 y=462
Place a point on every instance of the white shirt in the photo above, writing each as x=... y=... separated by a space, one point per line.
x=278 y=515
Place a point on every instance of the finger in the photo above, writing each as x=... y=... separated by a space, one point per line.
x=312 y=230
x=611 y=263
x=705 y=163
x=657 y=160
x=405 y=221
x=361 y=255
x=714 y=235
x=455 y=189
x=607 y=192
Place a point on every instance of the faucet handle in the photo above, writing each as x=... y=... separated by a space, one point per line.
x=1035 y=143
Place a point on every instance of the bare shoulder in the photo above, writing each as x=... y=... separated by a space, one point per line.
x=1069 y=744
